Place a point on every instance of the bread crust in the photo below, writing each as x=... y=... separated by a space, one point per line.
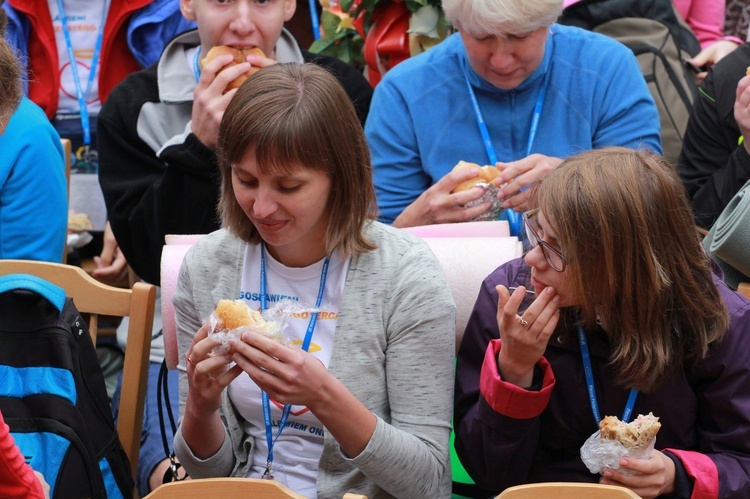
x=79 y=222
x=637 y=434
x=233 y=314
x=486 y=175
x=239 y=56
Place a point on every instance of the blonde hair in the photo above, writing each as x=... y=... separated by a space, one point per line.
x=635 y=260
x=298 y=114
x=492 y=17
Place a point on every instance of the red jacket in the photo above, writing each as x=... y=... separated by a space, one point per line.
x=17 y=479
x=115 y=56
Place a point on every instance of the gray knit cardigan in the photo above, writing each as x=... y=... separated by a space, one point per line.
x=393 y=350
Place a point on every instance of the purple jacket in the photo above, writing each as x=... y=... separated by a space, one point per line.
x=506 y=435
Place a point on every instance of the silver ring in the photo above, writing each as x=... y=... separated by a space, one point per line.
x=190 y=359
x=524 y=322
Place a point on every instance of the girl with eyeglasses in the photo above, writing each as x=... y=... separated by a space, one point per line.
x=617 y=269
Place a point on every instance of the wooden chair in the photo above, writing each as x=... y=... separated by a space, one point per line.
x=744 y=289
x=229 y=488
x=567 y=490
x=93 y=299
x=67 y=150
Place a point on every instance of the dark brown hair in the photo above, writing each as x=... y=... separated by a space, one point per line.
x=635 y=260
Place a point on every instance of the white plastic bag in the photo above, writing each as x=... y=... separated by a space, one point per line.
x=275 y=317
x=490 y=194
x=599 y=454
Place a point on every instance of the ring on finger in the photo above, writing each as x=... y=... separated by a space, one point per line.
x=524 y=322
x=190 y=359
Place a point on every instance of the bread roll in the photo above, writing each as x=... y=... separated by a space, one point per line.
x=636 y=434
x=79 y=222
x=486 y=175
x=239 y=55
x=233 y=314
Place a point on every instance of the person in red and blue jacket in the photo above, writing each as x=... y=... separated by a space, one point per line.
x=135 y=33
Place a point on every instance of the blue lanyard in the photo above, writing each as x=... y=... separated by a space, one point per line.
x=305 y=346
x=313 y=6
x=196 y=66
x=628 y=412
x=482 y=125
x=80 y=95
x=514 y=218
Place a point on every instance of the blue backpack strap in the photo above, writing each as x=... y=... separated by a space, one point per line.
x=52 y=293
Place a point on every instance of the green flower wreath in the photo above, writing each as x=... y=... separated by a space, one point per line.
x=339 y=37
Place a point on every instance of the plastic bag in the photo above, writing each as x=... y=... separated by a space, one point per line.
x=275 y=317
x=490 y=194
x=599 y=454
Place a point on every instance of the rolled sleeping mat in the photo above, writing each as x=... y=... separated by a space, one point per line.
x=729 y=239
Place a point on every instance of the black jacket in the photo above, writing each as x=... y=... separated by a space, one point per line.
x=156 y=176
x=713 y=165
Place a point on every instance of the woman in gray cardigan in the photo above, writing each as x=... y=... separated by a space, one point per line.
x=365 y=405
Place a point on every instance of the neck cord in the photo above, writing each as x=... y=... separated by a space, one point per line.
x=270 y=440
x=514 y=218
x=591 y=388
x=80 y=95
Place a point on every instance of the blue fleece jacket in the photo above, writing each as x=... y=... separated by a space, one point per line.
x=33 y=189
x=421 y=120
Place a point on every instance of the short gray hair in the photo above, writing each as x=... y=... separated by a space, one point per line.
x=492 y=17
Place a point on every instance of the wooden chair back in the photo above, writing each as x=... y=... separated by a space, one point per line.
x=744 y=289
x=229 y=488
x=226 y=488
x=93 y=299
x=567 y=490
x=67 y=150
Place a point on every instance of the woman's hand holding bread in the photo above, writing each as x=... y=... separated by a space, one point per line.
x=444 y=202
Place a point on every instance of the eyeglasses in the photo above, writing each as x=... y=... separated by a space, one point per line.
x=554 y=257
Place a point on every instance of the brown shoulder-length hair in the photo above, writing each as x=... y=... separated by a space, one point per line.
x=298 y=114
x=11 y=87
x=635 y=260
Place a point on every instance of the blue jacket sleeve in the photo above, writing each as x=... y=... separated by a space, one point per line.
x=629 y=115
x=33 y=188
x=397 y=168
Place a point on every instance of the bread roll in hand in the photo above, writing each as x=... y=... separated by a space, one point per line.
x=486 y=175
x=233 y=314
x=239 y=55
x=637 y=434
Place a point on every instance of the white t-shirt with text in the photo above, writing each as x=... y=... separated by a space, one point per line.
x=298 y=449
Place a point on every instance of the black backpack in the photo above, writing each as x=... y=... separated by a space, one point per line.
x=52 y=393
x=661 y=41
